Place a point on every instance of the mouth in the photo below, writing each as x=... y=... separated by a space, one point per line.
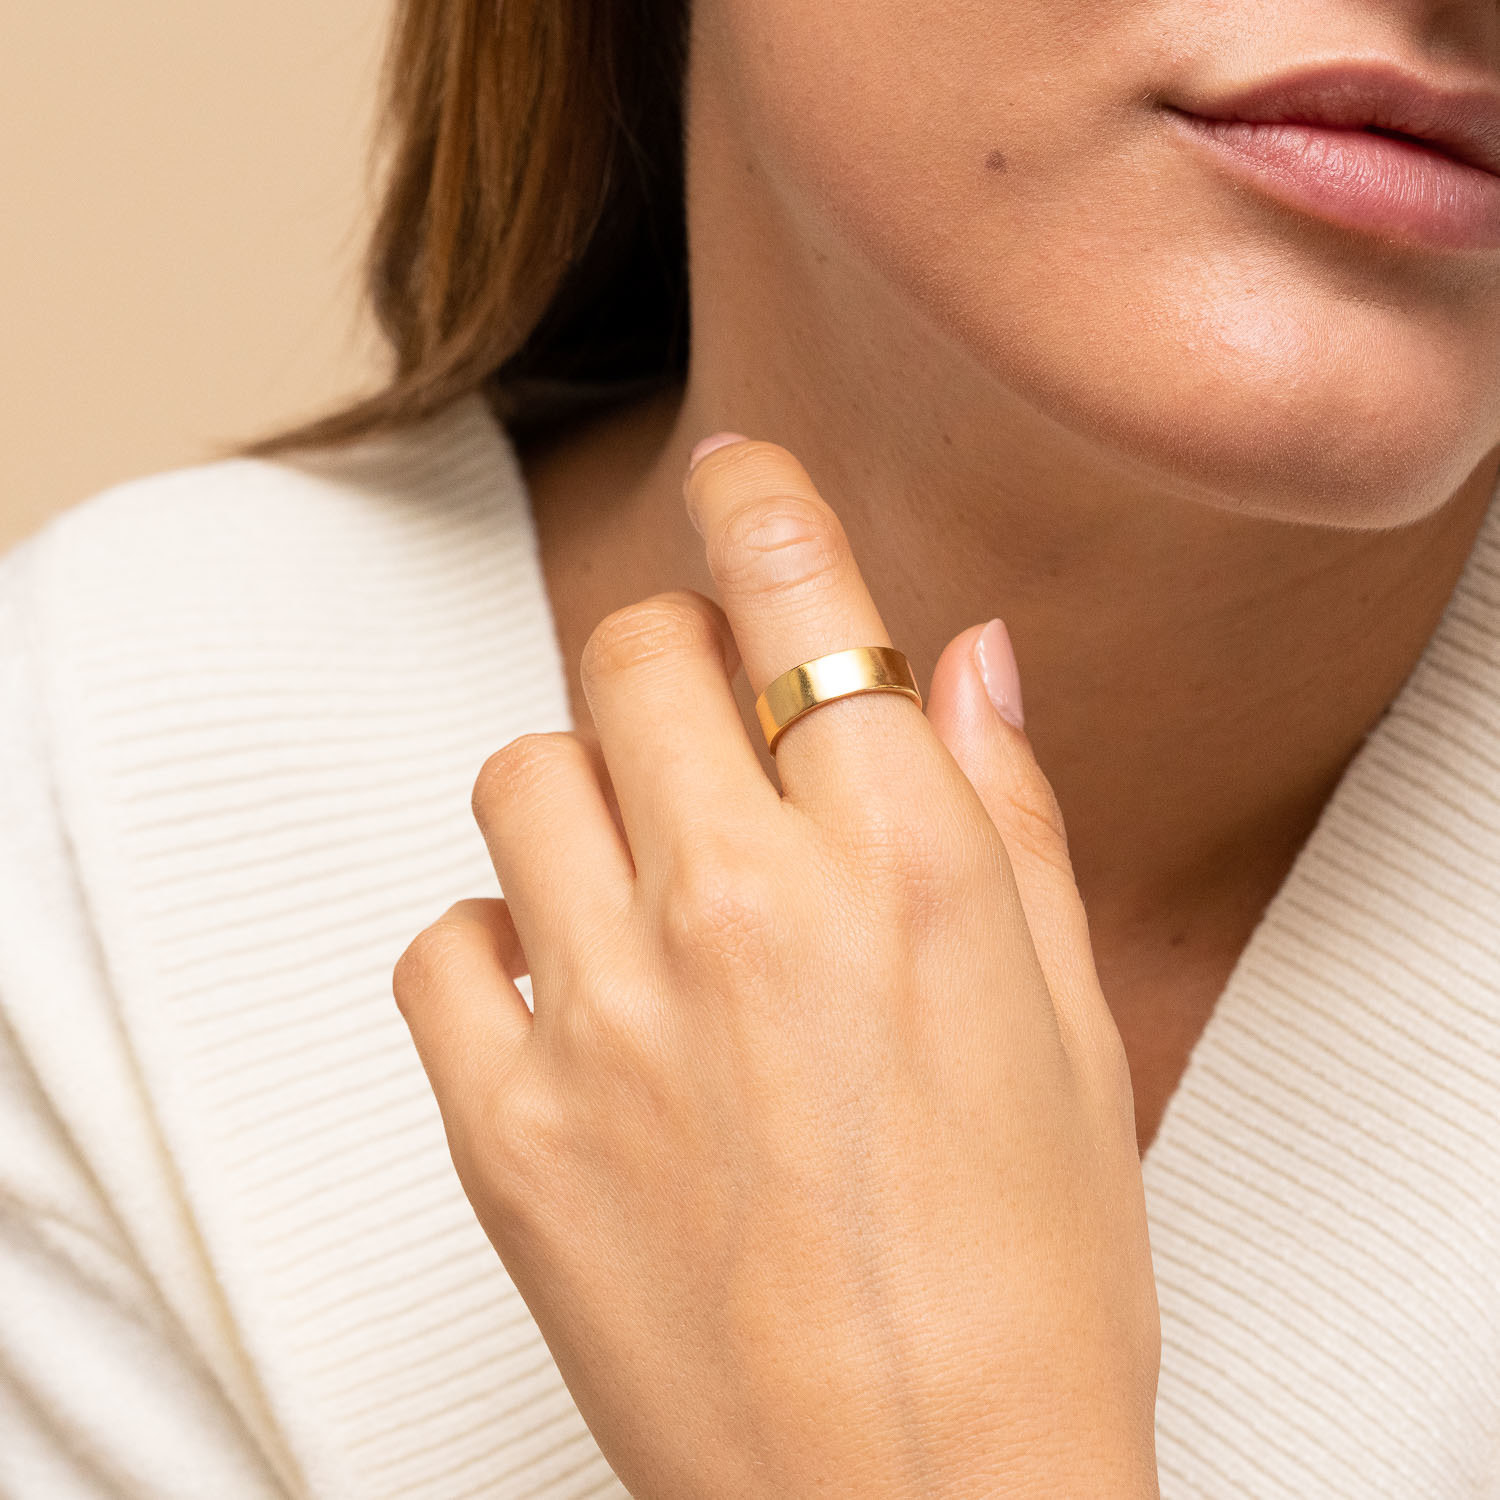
x=1368 y=147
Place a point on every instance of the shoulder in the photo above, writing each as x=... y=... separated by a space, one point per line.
x=241 y=710
x=247 y=531
x=178 y=619
x=231 y=659
x=229 y=622
x=209 y=673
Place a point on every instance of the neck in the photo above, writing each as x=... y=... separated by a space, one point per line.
x=1196 y=678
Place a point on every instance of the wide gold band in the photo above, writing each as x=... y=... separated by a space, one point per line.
x=860 y=669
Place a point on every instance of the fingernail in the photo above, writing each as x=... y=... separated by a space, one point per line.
x=707 y=446
x=996 y=659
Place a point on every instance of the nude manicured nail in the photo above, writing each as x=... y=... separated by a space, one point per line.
x=996 y=659
x=707 y=446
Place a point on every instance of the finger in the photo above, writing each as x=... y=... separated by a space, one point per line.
x=792 y=591
x=558 y=854
x=455 y=987
x=508 y=949
x=657 y=676
x=996 y=757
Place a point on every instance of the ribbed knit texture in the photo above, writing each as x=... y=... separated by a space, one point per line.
x=241 y=712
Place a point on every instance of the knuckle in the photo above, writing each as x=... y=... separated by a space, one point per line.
x=1098 y=1049
x=1119 y=1086
x=583 y=1025
x=429 y=961
x=1033 y=823
x=515 y=1148
x=719 y=906
x=912 y=868
x=525 y=1118
x=665 y=626
x=925 y=864
x=516 y=768
x=896 y=840
x=903 y=839
x=1104 y=1070
x=778 y=542
x=617 y=1032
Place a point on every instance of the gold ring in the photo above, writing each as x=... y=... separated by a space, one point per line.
x=860 y=669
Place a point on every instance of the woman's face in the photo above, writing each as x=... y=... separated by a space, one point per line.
x=1304 y=322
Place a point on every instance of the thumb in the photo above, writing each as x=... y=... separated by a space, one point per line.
x=974 y=704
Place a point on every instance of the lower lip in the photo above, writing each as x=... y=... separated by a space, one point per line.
x=1396 y=189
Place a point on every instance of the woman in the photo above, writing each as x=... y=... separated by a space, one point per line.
x=1169 y=332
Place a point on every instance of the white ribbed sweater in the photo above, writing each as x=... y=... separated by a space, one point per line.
x=241 y=710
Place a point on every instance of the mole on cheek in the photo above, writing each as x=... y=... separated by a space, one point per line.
x=995 y=162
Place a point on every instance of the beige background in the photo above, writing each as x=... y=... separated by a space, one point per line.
x=185 y=195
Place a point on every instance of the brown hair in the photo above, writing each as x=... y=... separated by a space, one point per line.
x=530 y=238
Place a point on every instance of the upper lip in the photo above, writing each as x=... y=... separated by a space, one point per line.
x=1461 y=122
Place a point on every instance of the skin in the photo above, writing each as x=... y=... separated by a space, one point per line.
x=1216 y=463
x=1191 y=446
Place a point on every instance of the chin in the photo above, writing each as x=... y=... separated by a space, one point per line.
x=1290 y=472
x=1367 y=448
x=1297 y=403
x=1357 y=437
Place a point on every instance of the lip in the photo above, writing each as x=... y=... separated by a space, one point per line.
x=1369 y=147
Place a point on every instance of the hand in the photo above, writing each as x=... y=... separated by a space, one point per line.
x=817 y=1164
